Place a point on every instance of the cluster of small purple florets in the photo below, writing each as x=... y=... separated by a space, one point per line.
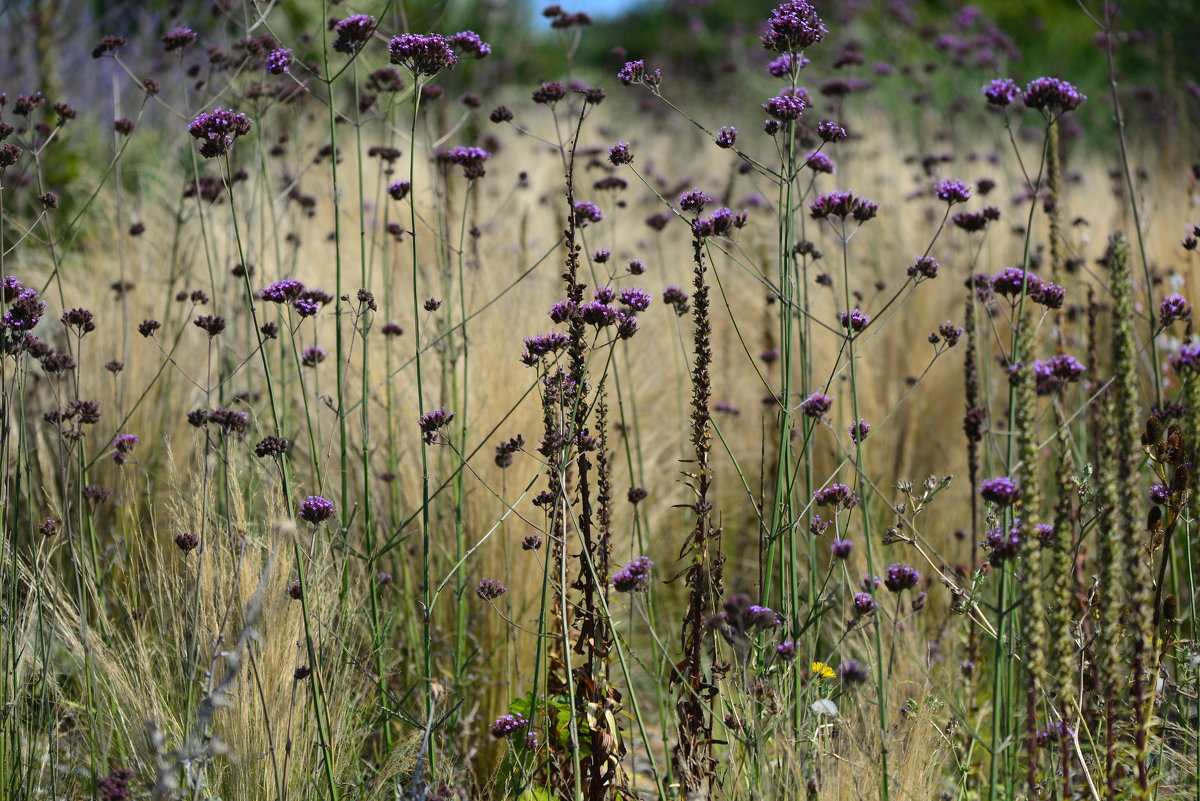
x=306 y=301
x=636 y=72
x=278 y=61
x=836 y=495
x=432 y=422
x=217 y=129
x=901 y=576
x=1003 y=544
x=1010 y=280
x=490 y=589
x=1051 y=374
x=792 y=27
x=855 y=319
x=952 y=191
x=816 y=404
x=507 y=724
x=422 y=54
x=1174 y=308
x=25 y=308
x=1002 y=490
x=123 y=445
x=843 y=204
x=634 y=576
x=469 y=158
x=315 y=509
x=1052 y=95
x=721 y=222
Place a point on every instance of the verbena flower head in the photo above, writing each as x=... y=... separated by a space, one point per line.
x=786 y=650
x=1003 y=544
x=587 y=212
x=786 y=64
x=490 y=589
x=785 y=107
x=507 y=724
x=853 y=672
x=793 y=26
x=859 y=430
x=694 y=200
x=217 y=129
x=676 y=297
x=1052 y=95
x=864 y=603
x=634 y=298
x=1186 y=359
x=469 y=158
x=278 y=61
x=1001 y=490
x=830 y=131
x=315 y=509
x=722 y=222
x=816 y=404
x=433 y=421
x=620 y=154
x=842 y=204
x=1173 y=308
x=841 y=548
x=901 y=577
x=952 y=191
x=398 y=190
x=1052 y=373
x=819 y=162
x=1010 y=280
x=924 y=267
x=726 y=136
x=178 y=38
x=855 y=319
x=636 y=72
x=1001 y=91
x=836 y=495
x=350 y=34
x=950 y=333
x=549 y=93
x=422 y=54
x=634 y=576
x=471 y=44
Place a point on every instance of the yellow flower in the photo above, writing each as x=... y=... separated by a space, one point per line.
x=822 y=670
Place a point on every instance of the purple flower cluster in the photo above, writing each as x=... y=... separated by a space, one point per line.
x=315 y=509
x=1004 y=544
x=433 y=421
x=217 y=129
x=836 y=495
x=1001 y=91
x=901 y=577
x=726 y=136
x=25 y=306
x=620 y=154
x=785 y=107
x=278 y=61
x=1053 y=95
x=1186 y=358
x=744 y=616
x=1010 y=280
x=816 y=404
x=507 y=724
x=123 y=445
x=792 y=27
x=635 y=72
x=634 y=298
x=351 y=33
x=974 y=221
x=694 y=200
x=1052 y=373
x=1173 y=308
x=949 y=333
x=842 y=204
x=830 y=131
x=177 y=39
x=855 y=319
x=538 y=346
x=785 y=65
x=634 y=576
x=722 y=222
x=841 y=548
x=1001 y=490
x=819 y=162
x=490 y=589
x=422 y=54
x=675 y=296
x=952 y=191
x=587 y=212
x=859 y=430
x=470 y=43
x=469 y=158
x=864 y=603
x=924 y=267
